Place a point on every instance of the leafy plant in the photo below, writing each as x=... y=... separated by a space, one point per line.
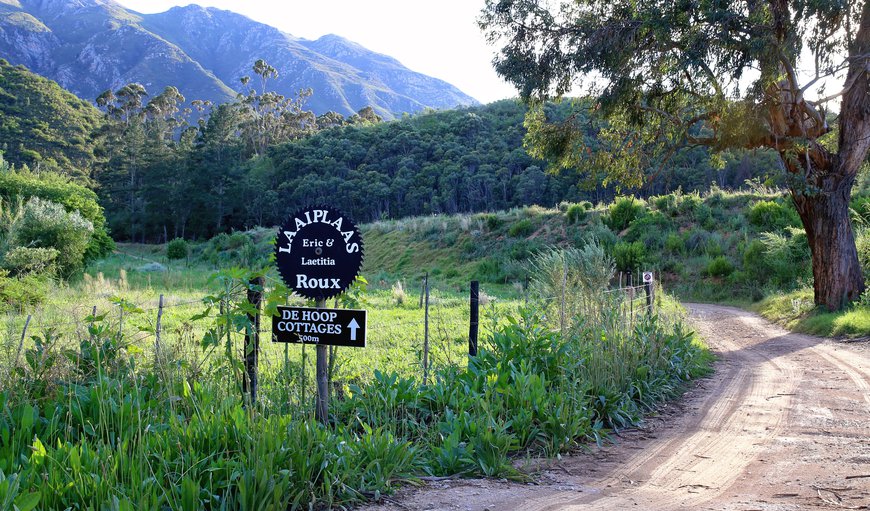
x=623 y=212
x=629 y=257
x=177 y=249
x=521 y=228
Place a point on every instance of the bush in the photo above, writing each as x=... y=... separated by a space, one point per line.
x=861 y=208
x=521 y=228
x=629 y=257
x=491 y=220
x=862 y=243
x=720 y=267
x=772 y=216
x=689 y=204
x=27 y=260
x=696 y=241
x=666 y=203
x=16 y=294
x=653 y=223
x=623 y=212
x=576 y=213
x=674 y=244
x=73 y=197
x=177 y=249
x=788 y=256
x=45 y=224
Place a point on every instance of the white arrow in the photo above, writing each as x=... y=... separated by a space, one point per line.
x=353 y=325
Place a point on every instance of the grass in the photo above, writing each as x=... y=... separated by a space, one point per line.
x=796 y=312
x=90 y=414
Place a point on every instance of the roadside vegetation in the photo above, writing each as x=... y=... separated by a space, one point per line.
x=94 y=415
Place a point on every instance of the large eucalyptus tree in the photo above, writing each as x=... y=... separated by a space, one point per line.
x=719 y=73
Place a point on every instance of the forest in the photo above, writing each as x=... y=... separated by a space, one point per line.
x=166 y=167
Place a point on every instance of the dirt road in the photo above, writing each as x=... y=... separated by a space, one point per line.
x=783 y=424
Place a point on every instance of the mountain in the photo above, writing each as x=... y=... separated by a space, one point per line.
x=44 y=126
x=88 y=46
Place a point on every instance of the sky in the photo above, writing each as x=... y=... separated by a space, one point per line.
x=440 y=39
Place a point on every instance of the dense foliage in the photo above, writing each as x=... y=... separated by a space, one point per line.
x=175 y=432
x=668 y=76
x=221 y=175
x=44 y=126
x=23 y=185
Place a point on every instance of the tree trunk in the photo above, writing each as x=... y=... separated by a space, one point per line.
x=837 y=275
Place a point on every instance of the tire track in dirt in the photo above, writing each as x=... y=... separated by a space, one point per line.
x=699 y=462
x=783 y=424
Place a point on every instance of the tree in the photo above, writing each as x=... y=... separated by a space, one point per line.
x=667 y=75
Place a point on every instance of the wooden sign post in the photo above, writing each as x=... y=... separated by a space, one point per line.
x=319 y=254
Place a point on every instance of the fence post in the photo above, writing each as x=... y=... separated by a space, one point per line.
x=426 y=331
x=321 y=406
x=423 y=287
x=649 y=304
x=252 y=338
x=157 y=330
x=475 y=311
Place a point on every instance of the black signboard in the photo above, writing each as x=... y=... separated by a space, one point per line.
x=319 y=252
x=330 y=327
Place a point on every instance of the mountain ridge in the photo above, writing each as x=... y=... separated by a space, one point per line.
x=89 y=46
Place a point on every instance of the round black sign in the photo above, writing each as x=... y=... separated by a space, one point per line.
x=319 y=252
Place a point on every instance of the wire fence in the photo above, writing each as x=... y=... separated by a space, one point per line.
x=410 y=339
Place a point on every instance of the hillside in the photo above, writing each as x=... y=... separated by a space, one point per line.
x=89 y=46
x=44 y=126
x=732 y=247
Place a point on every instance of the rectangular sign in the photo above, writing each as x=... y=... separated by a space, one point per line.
x=331 y=327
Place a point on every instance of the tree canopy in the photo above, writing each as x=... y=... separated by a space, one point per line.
x=737 y=74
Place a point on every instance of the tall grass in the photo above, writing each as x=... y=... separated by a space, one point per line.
x=91 y=421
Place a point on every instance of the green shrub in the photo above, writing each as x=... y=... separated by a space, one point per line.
x=576 y=213
x=719 y=267
x=17 y=294
x=521 y=228
x=177 y=249
x=862 y=243
x=696 y=241
x=688 y=204
x=674 y=244
x=27 y=260
x=491 y=220
x=629 y=257
x=45 y=224
x=653 y=223
x=703 y=214
x=772 y=216
x=713 y=247
x=788 y=257
x=623 y=212
x=861 y=208
x=666 y=203
x=23 y=185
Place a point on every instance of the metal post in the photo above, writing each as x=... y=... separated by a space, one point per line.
x=157 y=330
x=472 y=330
